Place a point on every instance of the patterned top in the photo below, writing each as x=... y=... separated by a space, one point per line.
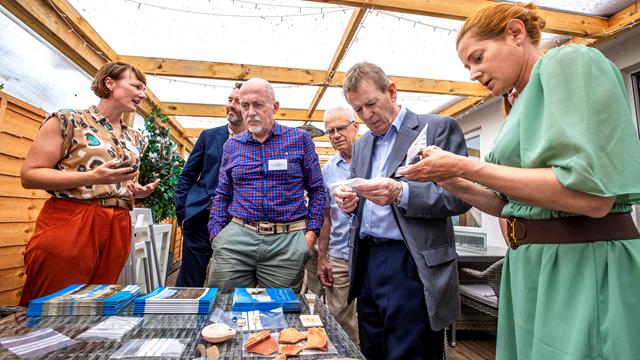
x=267 y=181
x=88 y=142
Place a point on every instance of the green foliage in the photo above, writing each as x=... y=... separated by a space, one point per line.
x=160 y=160
x=1 y=86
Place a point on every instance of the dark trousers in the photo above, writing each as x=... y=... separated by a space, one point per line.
x=392 y=313
x=196 y=251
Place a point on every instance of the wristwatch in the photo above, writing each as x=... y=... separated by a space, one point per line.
x=398 y=199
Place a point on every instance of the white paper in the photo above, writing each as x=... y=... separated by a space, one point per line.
x=417 y=146
x=352 y=183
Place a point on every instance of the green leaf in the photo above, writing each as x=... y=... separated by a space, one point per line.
x=160 y=160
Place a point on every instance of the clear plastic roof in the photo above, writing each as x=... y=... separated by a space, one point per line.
x=282 y=33
x=38 y=74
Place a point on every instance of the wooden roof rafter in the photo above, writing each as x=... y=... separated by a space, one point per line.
x=294 y=76
x=347 y=37
x=585 y=29
x=60 y=24
x=557 y=21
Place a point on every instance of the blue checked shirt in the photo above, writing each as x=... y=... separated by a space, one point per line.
x=253 y=185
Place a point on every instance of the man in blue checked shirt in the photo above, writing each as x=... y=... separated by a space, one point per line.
x=261 y=229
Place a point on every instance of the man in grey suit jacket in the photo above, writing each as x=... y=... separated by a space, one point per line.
x=403 y=263
x=196 y=187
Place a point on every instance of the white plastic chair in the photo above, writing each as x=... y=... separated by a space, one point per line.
x=147 y=263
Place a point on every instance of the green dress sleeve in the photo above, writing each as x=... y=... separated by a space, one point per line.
x=584 y=130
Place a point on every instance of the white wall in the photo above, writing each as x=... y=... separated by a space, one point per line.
x=487 y=118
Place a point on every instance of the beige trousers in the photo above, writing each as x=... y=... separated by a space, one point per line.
x=337 y=295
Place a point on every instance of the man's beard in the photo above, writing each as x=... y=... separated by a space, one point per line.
x=234 y=119
x=255 y=129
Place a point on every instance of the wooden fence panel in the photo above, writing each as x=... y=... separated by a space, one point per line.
x=19 y=207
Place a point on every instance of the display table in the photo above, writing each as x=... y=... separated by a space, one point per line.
x=182 y=326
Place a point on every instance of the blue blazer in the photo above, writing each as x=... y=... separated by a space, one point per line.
x=199 y=178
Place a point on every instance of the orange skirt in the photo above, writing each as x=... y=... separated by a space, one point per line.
x=75 y=243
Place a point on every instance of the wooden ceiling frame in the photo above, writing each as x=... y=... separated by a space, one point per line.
x=345 y=42
x=293 y=76
x=51 y=20
x=557 y=21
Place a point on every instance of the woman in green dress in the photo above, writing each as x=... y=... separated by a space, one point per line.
x=564 y=171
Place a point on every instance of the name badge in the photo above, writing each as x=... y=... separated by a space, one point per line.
x=278 y=164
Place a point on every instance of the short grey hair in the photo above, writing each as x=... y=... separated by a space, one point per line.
x=346 y=110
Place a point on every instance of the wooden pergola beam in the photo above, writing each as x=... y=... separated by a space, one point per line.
x=58 y=23
x=628 y=17
x=462 y=106
x=620 y=22
x=325 y=150
x=226 y=71
x=347 y=37
x=557 y=22
x=219 y=111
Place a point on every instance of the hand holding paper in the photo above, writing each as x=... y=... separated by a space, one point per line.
x=415 y=150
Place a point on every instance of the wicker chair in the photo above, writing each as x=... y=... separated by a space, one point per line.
x=479 y=294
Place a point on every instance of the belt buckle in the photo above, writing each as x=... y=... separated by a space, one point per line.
x=104 y=203
x=512 y=237
x=265 y=227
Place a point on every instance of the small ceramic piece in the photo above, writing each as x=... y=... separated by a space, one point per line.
x=216 y=333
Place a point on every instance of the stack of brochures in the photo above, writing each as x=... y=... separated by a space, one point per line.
x=83 y=299
x=176 y=300
x=246 y=299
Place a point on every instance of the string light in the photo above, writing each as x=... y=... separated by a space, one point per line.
x=80 y=37
x=472 y=108
x=275 y=86
x=322 y=12
x=416 y=22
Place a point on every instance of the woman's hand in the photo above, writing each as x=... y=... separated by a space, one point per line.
x=436 y=165
x=108 y=174
x=140 y=191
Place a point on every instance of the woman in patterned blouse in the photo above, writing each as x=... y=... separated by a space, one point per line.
x=88 y=161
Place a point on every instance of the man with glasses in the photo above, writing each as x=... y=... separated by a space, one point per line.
x=333 y=243
x=195 y=189
x=261 y=228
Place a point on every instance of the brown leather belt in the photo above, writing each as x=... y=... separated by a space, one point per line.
x=107 y=202
x=570 y=230
x=270 y=228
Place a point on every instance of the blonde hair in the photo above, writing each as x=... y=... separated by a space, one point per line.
x=491 y=21
x=113 y=70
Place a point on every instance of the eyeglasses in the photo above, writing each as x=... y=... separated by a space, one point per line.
x=339 y=129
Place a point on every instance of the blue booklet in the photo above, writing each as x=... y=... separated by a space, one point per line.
x=247 y=299
x=172 y=300
x=84 y=299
